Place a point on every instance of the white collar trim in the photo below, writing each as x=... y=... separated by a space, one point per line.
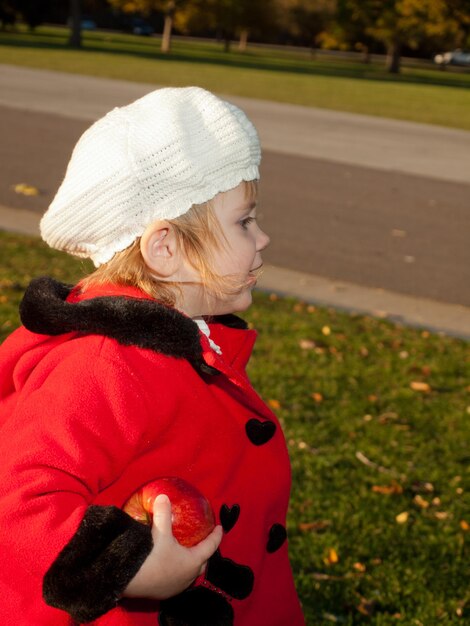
x=204 y=328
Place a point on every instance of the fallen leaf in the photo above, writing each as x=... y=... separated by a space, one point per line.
x=317 y=396
x=397 y=232
x=326 y=330
x=420 y=386
x=364 y=351
x=311 y=308
x=388 y=490
x=314 y=526
x=384 y=418
x=359 y=567
x=372 y=398
x=436 y=501
x=307 y=344
x=422 y=487
x=366 y=607
x=425 y=334
x=331 y=618
x=274 y=404
x=299 y=307
x=367 y=418
x=441 y=514
x=465 y=526
x=402 y=518
x=273 y=297
x=420 y=501
x=404 y=354
x=331 y=558
x=26 y=190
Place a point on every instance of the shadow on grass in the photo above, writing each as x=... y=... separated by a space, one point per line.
x=115 y=44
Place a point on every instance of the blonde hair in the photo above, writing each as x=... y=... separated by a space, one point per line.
x=198 y=234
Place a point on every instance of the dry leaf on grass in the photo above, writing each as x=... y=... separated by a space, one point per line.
x=359 y=567
x=307 y=344
x=417 y=385
x=421 y=502
x=331 y=558
x=402 y=518
x=314 y=526
x=387 y=490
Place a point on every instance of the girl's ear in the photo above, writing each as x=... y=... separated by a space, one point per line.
x=159 y=249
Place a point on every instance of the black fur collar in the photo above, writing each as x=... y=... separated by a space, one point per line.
x=131 y=321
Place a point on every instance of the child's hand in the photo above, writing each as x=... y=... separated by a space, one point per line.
x=170 y=567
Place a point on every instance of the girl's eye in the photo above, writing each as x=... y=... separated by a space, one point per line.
x=246 y=221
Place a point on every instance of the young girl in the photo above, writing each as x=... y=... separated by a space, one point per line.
x=139 y=373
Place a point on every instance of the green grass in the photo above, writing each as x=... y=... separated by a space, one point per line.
x=367 y=429
x=422 y=95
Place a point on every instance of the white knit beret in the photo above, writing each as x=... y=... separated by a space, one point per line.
x=150 y=160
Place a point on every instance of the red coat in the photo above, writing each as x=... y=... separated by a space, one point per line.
x=101 y=395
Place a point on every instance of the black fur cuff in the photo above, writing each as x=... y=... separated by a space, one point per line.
x=94 y=568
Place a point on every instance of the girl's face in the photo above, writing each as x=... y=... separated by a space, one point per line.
x=240 y=249
x=236 y=259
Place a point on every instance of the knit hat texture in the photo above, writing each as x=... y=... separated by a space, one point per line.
x=150 y=160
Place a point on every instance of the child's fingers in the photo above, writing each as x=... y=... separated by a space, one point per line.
x=209 y=545
x=162 y=515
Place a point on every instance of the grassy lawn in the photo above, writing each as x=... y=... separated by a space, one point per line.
x=422 y=95
x=380 y=513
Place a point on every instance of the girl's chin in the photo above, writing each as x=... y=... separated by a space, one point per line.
x=240 y=303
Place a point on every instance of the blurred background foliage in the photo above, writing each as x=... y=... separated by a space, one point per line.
x=417 y=28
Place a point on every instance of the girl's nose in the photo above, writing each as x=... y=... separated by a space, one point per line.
x=263 y=240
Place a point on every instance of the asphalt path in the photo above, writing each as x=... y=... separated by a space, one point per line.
x=376 y=203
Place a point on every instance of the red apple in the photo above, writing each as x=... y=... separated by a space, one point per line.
x=192 y=516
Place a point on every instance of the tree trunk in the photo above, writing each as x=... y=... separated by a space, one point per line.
x=393 y=57
x=365 y=54
x=166 y=39
x=75 y=38
x=243 y=40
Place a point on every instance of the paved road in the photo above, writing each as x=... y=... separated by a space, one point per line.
x=376 y=203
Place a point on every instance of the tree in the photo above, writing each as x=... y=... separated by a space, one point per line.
x=32 y=11
x=228 y=19
x=7 y=13
x=168 y=7
x=306 y=21
x=75 y=38
x=399 y=23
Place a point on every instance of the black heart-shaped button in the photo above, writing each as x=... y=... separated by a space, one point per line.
x=235 y=579
x=277 y=536
x=229 y=516
x=260 y=432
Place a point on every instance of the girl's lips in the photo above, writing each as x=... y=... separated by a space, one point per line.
x=253 y=276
